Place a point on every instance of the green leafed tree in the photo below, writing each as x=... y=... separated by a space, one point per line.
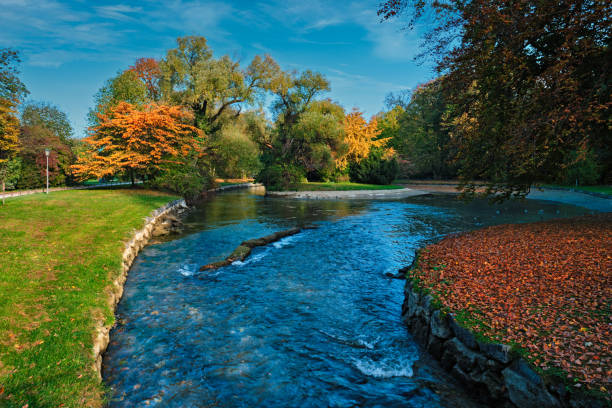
x=126 y=86
x=530 y=82
x=191 y=76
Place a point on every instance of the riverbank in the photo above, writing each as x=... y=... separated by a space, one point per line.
x=536 y=293
x=597 y=202
x=348 y=194
x=60 y=253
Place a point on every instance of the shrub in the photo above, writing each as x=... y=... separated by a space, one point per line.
x=374 y=169
x=278 y=177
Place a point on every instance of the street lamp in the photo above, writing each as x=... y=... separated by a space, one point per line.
x=47 y=151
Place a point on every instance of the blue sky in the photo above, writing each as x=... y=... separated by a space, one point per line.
x=69 y=48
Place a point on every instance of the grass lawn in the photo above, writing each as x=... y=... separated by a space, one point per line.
x=58 y=254
x=346 y=186
x=545 y=288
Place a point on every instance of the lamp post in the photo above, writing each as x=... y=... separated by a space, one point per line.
x=47 y=151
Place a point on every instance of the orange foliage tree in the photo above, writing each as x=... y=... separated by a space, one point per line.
x=138 y=142
x=147 y=69
x=360 y=138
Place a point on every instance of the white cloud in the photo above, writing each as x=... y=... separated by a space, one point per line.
x=388 y=40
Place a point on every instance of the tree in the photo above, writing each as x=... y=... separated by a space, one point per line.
x=295 y=94
x=360 y=137
x=236 y=154
x=424 y=138
x=11 y=87
x=124 y=87
x=45 y=126
x=149 y=72
x=34 y=139
x=209 y=86
x=138 y=143
x=314 y=141
x=9 y=139
x=12 y=90
x=533 y=79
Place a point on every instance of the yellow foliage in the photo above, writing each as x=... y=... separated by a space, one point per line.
x=9 y=130
x=361 y=137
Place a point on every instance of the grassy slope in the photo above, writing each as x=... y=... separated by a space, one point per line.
x=58 y=254
x=314 y=186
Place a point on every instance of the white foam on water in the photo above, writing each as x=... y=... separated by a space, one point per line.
x=385 y=368
x=252 y=258
x=284 y=241
x=188 y=269
x=368 y=344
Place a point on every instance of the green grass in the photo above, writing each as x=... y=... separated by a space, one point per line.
x=603 y=189
x=345 y=186
x=58 y=255
x=229 y=183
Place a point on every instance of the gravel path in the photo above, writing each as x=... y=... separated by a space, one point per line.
x=585 y=200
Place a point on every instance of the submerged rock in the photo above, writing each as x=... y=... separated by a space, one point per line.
x=244 y=249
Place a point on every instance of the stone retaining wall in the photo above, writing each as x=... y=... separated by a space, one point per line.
x=132 y=248
x=493 y=372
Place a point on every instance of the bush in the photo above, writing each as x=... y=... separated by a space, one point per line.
x=189 y=179
x=278 y=177
x=374 y=169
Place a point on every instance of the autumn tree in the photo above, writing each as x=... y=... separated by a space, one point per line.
x=45 y=126
x=360 y=137
x=138 y=142
x=533 y=79
x=12 y=90
x=149 y=72
x=192 y=77
x=9 y=139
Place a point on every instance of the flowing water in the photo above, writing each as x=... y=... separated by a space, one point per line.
x=310 y=321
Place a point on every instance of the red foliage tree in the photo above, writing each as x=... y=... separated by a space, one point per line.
x=147 y=69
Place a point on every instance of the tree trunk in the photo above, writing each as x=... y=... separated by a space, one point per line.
x=132 y=177
x=3 y=191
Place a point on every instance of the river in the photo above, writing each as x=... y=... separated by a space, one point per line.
x=309 y=321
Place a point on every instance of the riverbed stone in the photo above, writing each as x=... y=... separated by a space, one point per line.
x=466 y=358
x=525 y=393
x=412 y=302
x=463 y=376
x=463 y=334
x=500 y=352
x=420 y=330
x=448 y=359
x=439 y=325
x=493 y=382
x=435 y=346
x=521 y=367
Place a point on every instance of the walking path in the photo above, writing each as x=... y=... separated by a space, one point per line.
x=586 y=200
